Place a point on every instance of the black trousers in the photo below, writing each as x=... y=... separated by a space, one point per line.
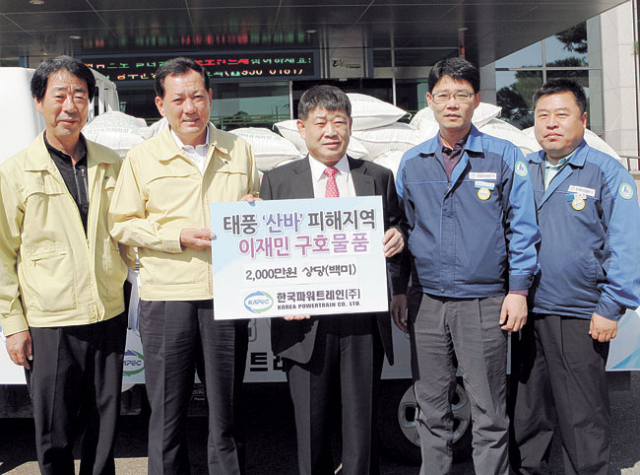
x=174 y=335
x=75 y=382
x=347 y=357
x=561 y=383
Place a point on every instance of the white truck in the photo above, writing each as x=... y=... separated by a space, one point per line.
x=398 y=406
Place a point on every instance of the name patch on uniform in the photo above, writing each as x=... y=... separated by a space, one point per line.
x=483 y=176
x=581 y=190
x=484 y=184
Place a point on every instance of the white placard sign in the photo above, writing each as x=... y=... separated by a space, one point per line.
x=298 y=257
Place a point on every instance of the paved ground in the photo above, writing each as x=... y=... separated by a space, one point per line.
x=270 y=441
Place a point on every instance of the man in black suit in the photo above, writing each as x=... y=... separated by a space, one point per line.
x=345 y=351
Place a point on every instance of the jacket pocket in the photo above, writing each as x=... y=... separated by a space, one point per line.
x=593 y=270
x=49 y=279
x=109 y=187
x=110 y=278
x=227 y=185
x=171 y=195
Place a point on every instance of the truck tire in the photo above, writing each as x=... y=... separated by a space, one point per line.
x=397 y=426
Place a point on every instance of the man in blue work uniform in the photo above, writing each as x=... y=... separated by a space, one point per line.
x=470 y=217
x=589 y=221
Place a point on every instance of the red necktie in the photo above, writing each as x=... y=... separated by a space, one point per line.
x=332 y=188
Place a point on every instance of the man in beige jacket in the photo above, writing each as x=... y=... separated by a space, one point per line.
x=161 y=205
x=61 y=295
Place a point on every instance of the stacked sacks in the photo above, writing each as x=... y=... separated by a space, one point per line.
x=376 y=127
x=504 y=130
x=376 y=134
x=390 y=160
x=375 y=131
x=388 y=138
x=157 y=127
x=116 y=130
x=368 y=112
x=269 y=148
x=378 y=137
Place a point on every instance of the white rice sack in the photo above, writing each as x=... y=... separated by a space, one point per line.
x=268 y=147
x=390 y=160
x=424 y=119
x=116 y=130
x=425 y=123
x=368 y=112
x=598 y=143
x=592 y=139
x=157 y=127
x=484 y=113
x=291 y=160
x=396 y=136
x=357 y=149
x=289 y=131
x=504 y=130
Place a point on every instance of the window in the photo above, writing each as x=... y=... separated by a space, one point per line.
x=564 y=55
x=252 y=104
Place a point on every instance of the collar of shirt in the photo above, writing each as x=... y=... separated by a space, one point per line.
x=197 y=154
x=457 y=147
x=317 y=168
x=75 y=176
x=551 y=170
x=60 y=155
x=550 y=166
x=451 y=157
x=343 y=177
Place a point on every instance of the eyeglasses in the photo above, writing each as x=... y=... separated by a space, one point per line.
x=461 y=97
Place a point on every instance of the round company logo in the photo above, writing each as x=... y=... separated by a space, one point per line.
x=484 y=194
x=578 y=204
x=133 y=363
x=258 y=302
x=521 y=168
x=626 y=191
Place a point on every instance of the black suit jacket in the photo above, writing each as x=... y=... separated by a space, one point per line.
x=296 y=339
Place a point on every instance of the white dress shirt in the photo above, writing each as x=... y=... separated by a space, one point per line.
x=198 y=155
x=343 y=178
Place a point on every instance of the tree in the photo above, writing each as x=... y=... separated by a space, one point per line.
x=516 y=99
x=575 y=38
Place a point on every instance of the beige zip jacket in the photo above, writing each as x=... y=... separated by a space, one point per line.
x=53 y=274
x=160 y=192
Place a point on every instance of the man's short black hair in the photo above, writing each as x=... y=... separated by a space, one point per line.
x=458 y=69
x=330 y=98
x=49 y=66
x=178 y=67
x=556 y=86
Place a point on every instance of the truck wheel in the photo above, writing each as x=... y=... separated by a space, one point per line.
x=398 y=431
